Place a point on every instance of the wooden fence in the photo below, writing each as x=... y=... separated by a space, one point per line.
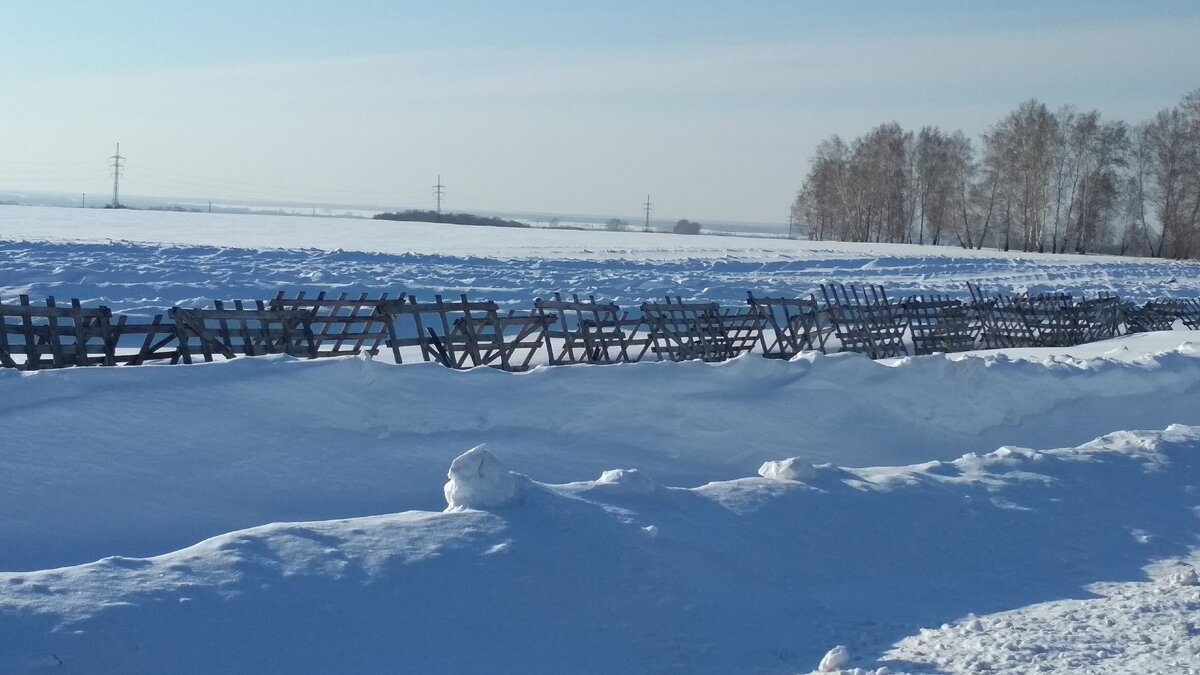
x=463 y=333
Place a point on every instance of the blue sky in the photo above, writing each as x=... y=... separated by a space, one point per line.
x=710 y=107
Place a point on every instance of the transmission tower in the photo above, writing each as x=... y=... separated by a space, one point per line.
x=647 y=205
x=116 y=167
x=439 y=191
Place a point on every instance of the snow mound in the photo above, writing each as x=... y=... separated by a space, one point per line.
x=1185 y=578
x=792 y=468
x=834 y=660
x=479 y=481
x=627 y=481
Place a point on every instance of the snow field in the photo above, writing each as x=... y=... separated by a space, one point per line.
x=145 y=262
x=898 y=521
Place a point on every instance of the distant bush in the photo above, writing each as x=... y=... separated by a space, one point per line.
x=616 y=225
x=413 y=215
x=685 y=226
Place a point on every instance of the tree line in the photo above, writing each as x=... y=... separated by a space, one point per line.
x=1039 y=180
x=414 y=215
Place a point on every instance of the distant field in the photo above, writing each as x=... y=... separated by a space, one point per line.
x=142 y=261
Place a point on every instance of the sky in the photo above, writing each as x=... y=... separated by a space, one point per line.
x=712 y=109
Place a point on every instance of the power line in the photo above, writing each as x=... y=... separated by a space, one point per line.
x=194 y=181
x=647 y=205
x=116 y=167
x=439 y=190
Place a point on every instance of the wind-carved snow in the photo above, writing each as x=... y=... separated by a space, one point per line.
x=835 y=660
x=792 y=468
x=479 y=481
x=629 y=481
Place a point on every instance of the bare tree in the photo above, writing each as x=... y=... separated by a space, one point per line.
x=940 y=167
x=968 y=228
x=1170 y=143
x=1021 y=150
x=880 y=174
x=1067 y=181
x=823 y=202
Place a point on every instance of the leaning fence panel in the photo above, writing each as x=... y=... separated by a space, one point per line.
x=939 y=324
x=683 y=331
x=587 y=331
x=866 y=321
x=790 y=325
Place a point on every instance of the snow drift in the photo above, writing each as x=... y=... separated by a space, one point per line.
x=140 y=461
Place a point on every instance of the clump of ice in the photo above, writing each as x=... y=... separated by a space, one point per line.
x=479 y=481
x=630 y=481
x=835 y=659
x=788 y=469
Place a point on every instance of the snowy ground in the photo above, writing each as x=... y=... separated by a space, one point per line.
x=949 y=548
x=143 y=262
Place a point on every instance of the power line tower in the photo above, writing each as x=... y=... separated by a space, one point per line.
x=439 y=191
x=647 y=206
x=116 y=167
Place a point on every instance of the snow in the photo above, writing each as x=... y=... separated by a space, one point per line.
x=479 y=481
x=835 y=660
x=748 y=575
x=218 y=447
x=1141 y=627
x=792 y=468
x=992 y=512
x=144 y=262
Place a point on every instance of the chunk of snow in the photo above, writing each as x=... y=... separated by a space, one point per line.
x=834 y=660
x=1185 y=578
x=629 y=481
x=479 y=481
x=793 y=468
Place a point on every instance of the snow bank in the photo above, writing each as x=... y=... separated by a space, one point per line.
x=479 y=481
x=225 y=446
